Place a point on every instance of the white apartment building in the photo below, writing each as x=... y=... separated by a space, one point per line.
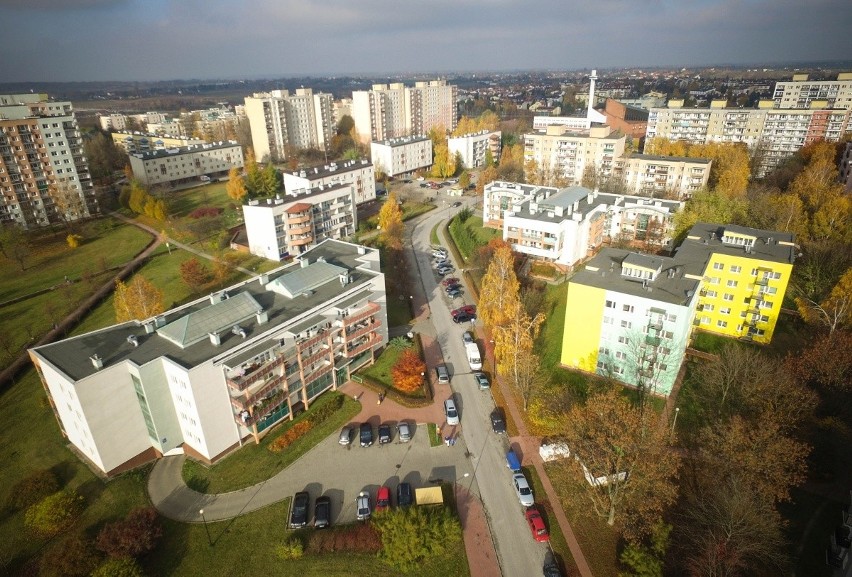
x=44 y=175
x=402 y=156
x=358 y=173
x=113 y=121
x=140 y=142
x=278 y=228
x=662 y=176
x=175 y=165
x=472 y=147
x=804 y=93
x=204 y=378
x=391 y=111
x=570 y=153
x=772 y=134
x=279 y=120
x=567 y=225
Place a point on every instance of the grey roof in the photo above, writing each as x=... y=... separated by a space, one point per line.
x=322 y=170
x=604 y=271
x=305 y=279
x=705 y=238
x=223 y=315
x=644 y=261
x=192 y=148
x=566 y=196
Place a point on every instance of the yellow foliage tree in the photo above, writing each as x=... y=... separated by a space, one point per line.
x=137 y=300
x=236 y=187
x=500 y=289
x=390 y=222
x=835 y=311
x=513 y=349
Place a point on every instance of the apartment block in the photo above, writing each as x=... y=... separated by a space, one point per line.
x=804 y=93
x=402 y=156
x=44 y=174
x=279 y=228
x=139 y=142
x=279 y=120
x=631 y=316
x=473 y=147
x=207 y=377
x=567 y=225
x=629 y=120
x=571 y=153
x=662 y=176
x=184 y=164
x=389 y=111
x=359 y=173
x=771 y=134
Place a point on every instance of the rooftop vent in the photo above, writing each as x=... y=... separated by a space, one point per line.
x=215 y=339
x=97 y=361
x=304 y=262
x=133 y=340
x=238 y=330
x=344 y=278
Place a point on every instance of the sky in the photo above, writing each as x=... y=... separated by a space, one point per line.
x=90 y=40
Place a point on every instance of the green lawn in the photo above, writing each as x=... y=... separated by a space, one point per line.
x=255 y=463
x=380 y=371
x=549 y=342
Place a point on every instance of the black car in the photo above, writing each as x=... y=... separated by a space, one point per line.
x=322 y=513
x=366 y=435
x=456 y=204
x=454 y=292
x=498 y=420
x=404 y=495
x=463 y=318
x=384 y=434
x=299 y=512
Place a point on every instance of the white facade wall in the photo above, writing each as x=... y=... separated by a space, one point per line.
x=263 y=230
x=402 y=156
x=646 y=174
x=278 y=119
x=359 y=173
x=164 y=167
x=472 y=147
x=570 y=154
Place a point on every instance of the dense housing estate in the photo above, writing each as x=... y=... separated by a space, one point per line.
x=638 y=312
x=206 y=377
x=280 y=120
x=44 y=175
x=175 y=165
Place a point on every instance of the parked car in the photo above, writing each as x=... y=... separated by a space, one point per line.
x=453 y=286
x=451 y=412
x=469 y=309
x=454 y=292
x=498 y=421
x=537 y=527
x=322 y=513
x=467 y=337
x=362 y=506
x=443 y=374
x=366 y=434
x=299 y=510
x=407 y=181
x=481 y=380
x=346 y=435
x=522 y=488
x=404 y=495
x=550 y=567
x=384 y=433
x=439 y=251
x=403 y=432
x=441 y=263
x=456 y=204
x=420 y=178
x=424 y=185
x=463 y=318
x=445 y=270
x=449 y=281
x=383 y=501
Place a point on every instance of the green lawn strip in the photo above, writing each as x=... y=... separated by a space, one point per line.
x=598 y=541
x=708 y=342
x=434 y=439
x=255 y=463
x=380 y=371
x=557 y=539
x=433 y=236
x=414 y=209
x=549 y=342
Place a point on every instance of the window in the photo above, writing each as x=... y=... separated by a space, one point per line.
x=668 y=334
x=722 y=324
x=772 y=275
x=732 y=283
x=620 y=355
x=608 y=320
x=728 y=297
x=714 y=280
x=764 y=318
x=712 y=294
x=610 y=304
x=705 y=320
x=626 y=324
x=765 y=305
x=736 y=268
x=662 y=366
x=622 y=340
x=671 y=318
x=603 y=351
x=718 y=266
x=628 y=308
x=708 y=308
x=725 y=311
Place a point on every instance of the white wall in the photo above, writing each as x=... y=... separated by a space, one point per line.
x=260 y=229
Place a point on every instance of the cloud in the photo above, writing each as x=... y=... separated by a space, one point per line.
x=57 y=5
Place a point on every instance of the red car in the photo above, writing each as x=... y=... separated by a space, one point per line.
x=383 y=499
x=537 y=528
x=449 y=281
x=468 y=309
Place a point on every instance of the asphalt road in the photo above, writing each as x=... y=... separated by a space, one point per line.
x=519 y=554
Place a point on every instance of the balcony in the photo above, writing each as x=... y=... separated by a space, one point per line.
x=371 y=341
x=359 y=331
x=254 y=374
x=653 y=341
x=265 y=391
x=354 y=318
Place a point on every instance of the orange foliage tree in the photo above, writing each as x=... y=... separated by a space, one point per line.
x=408 y=371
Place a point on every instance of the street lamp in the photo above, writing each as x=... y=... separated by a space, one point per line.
x=206 y=529
x=674 y=421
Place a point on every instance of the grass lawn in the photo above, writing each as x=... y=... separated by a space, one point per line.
x=255 y=463
x=434 y=438
x=380 y=371
x=709 y=343
x=433 y=235
x=549 y=342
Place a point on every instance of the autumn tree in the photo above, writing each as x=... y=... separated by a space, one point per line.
x=610 y=437
x=487 y=176
x=500 y=289
x=513 y=349
x=464 y=180
x=194 y=274
x=707 y=206
x=270 y=180
x=826 y=362
x=253 y=178
x=390 y=222
x=68 y=202
x=135 y=535
x=15 y=244
x=236 y=186
x=137 y=300
x=411 y=536
x=119 y=567
x=75 y=556
x=408 y=371
x=833 y=312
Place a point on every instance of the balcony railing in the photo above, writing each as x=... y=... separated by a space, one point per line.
x=254 y=375
x=352 y=335
x=352 y=319
x=373 y=340
x=241 y=404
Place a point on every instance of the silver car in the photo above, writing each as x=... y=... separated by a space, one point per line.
x=346 y=435
x=362 y=506
x=403 y=432
x=522 y=488
x=451 y=411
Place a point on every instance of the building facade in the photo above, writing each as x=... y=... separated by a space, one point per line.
x=359 y=173
x=804 y=93
x=473 y=147
x=631 y=316
x=629 y=120
x=280 y=228
x=175 y=165
x=662 y=176
x=389 y=111
x=570 y=154
x=44 y=174
x=138 y=142
x=402 y=156
x=566 y=226
x=204 y=378
x=279 y=120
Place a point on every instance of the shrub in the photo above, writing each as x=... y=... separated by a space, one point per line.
x=410 y=536
x=408 y=371
x=204 y=211
x=54 y=513
x=73 y=240
x=33 y=488
x=292 y=549
x=133 y=536
x=74 y=557
x=360 y=538
x=119 y=567
x=289 y=437
x=325 y=411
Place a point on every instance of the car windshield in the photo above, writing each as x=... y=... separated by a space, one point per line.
x=524 y=490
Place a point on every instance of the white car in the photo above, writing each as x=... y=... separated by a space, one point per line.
x=451 y=412
x=522 y=488
x=362 y=506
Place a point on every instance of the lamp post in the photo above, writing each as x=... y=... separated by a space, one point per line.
x=206 y=529
x=674 y=421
